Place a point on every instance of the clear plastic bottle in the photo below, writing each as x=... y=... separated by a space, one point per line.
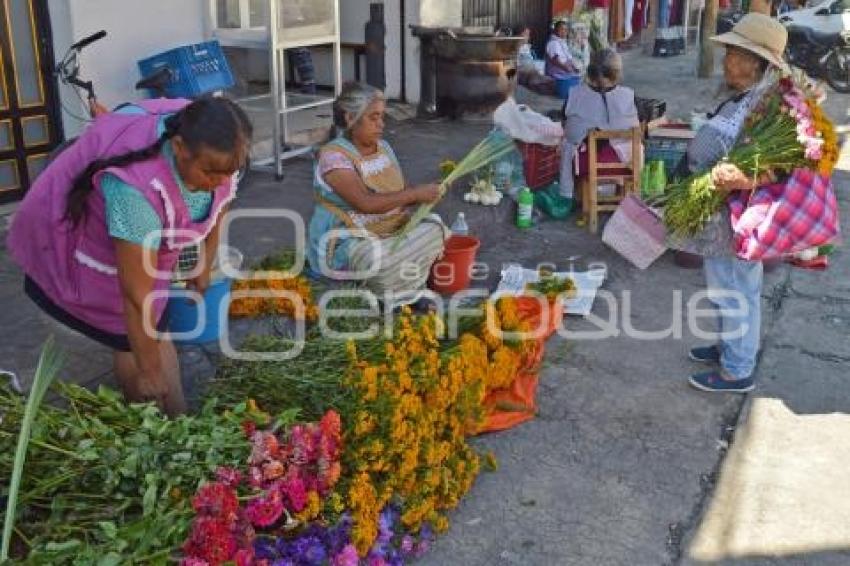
x=502 y=173
x=459 y=226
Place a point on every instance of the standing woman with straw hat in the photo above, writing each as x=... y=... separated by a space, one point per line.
x=754 y=46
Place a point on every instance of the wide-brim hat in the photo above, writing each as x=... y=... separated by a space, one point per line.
x=761 y=35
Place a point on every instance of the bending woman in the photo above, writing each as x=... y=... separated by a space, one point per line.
x=362 y=200
x=102 y=227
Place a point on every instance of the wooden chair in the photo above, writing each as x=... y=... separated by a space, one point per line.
x=626 y=176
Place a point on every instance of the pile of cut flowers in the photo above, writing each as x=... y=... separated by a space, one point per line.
x=353 y=453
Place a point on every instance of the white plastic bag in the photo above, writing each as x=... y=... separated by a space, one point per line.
x=524 y=124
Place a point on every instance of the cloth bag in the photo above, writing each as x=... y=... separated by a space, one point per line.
x=784 y=218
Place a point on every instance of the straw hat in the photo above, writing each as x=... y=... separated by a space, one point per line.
x=759 y=34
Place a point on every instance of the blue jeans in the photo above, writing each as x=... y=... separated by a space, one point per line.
x=734 y=286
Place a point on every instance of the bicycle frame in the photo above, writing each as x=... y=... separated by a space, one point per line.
x=68 y=72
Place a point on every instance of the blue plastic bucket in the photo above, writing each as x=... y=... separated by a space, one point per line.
x=184 y=314
x=563 y=86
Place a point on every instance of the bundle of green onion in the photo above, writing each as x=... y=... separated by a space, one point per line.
x=491 y=149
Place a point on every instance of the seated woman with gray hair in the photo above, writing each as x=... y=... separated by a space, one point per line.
x=599 y=103
x=362 y=201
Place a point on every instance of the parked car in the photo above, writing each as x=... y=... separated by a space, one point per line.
x=828 y=17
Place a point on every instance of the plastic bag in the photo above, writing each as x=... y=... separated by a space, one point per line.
x=550 y=201
x=524 y=124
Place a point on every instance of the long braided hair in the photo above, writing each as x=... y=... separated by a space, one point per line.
x=213 y=122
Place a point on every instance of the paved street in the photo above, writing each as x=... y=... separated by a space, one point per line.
x=625 y=464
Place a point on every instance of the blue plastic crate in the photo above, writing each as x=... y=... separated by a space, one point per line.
x=195 y=69
x=669 y=150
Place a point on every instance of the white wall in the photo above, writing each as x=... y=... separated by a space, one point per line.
x=137 y=29
x=353 y=15
x=392 y=61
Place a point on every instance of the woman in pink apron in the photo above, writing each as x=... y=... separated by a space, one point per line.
x=100 y=231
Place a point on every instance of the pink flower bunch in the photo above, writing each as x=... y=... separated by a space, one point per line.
x=295 y=492
x=794 y=100
x=266 y=510
x=229 y=476
x=216 y=500
x=212 y=540
x=347 y=557
x=286 y=469
x=310 y=453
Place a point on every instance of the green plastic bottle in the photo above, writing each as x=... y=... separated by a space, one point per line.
x=525 y=206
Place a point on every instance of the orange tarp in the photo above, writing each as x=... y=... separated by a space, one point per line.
x=507 y=408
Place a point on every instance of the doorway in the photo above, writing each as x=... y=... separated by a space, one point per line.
x=29 y=125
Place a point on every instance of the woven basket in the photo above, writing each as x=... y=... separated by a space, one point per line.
x=636 y=232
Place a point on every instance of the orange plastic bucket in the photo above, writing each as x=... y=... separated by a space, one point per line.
x=453 y=272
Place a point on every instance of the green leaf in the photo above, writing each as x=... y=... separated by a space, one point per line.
x=62 y=546
x=109 y=529
x=48 y=366
x=111 y=559
x=149 y=500
x=288 y=417
x=130 y=465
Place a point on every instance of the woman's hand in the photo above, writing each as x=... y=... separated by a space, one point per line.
x=728 y=177
x=151 y=386
x=427 y=193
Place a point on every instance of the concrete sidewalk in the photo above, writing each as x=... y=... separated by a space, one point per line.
x=620 y=465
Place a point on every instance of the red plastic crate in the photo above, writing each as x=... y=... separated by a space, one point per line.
x=541 y=164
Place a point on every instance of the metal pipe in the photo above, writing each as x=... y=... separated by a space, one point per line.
x=403 y=28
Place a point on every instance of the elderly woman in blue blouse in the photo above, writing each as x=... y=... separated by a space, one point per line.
x=362 y=200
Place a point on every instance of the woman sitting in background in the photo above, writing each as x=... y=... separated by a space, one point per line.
x=599 y=103
x=560 y=63
x=529 y=71
x=362 y=200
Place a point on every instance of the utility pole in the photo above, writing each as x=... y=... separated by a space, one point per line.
x=707 y=30
x=647 y=37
